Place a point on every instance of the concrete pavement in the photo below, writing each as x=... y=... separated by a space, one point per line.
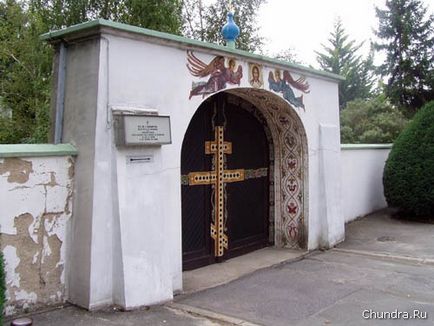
x=158 y=316
x=232 y=269
x=380 y=233
x=384 y=265
x=384 y=269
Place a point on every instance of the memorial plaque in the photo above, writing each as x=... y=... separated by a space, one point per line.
x=136 y=130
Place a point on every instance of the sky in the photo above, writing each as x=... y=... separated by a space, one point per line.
x=303 y=25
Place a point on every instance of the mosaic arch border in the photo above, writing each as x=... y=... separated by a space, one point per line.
x=290 y=166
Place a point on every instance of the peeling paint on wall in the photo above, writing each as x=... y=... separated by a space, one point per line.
x=18 y=170
x=35 y=199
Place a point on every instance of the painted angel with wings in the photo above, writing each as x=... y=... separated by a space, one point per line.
x=218 y=74
x=279 y=85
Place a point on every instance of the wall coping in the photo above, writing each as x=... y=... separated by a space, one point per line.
x=95 y=27
x=35 y=150
x=366 y=146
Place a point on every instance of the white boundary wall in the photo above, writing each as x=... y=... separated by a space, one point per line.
x=36 y=190
x=362 y=179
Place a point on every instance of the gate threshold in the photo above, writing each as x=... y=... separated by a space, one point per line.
x=232 y=269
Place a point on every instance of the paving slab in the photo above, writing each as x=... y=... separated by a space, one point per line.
x=367 y=307
x=199 y=279
x=381 y=233
x=154 y=316
x=384 y=271
x=330 y=287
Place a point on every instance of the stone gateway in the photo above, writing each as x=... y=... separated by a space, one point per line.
x=248 y=157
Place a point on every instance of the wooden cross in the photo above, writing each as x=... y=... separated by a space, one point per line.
x=218 y=177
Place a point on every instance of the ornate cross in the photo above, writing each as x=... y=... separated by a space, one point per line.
x=218 y=177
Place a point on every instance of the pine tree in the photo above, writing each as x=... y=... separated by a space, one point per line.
x=406 y=34
x=340 y=57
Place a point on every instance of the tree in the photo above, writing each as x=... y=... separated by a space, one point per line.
x=25 y=61
x=161 y=15
x=406 y=34
x=372 y=121
x=25 y=66
x=205 y=22
x=340 y=57
x=288 y=55
x=409 y=171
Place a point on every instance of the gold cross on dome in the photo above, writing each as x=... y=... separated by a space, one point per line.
x=218 y=178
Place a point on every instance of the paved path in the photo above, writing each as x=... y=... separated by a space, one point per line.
x=384 y=265
x=379 y=233
x=327 y=288
x=155 y=316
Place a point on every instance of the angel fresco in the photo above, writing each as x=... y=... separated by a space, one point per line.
x=279 y=85
x=217 y=71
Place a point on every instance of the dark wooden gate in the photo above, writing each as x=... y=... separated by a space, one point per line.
x=245 y=200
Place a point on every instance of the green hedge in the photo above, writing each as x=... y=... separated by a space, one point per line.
x=409 y=172
x=2 y=287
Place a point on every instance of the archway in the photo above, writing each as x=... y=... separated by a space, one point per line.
x=261 y=192
x=290 y=166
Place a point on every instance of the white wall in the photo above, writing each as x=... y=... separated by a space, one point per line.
x=362 y=179
x=148 y=195
x=127 y=231
x=36 y=209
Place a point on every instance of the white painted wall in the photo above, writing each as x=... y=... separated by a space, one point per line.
x=148 y=75
x=36 y=209
x=135 y=209
x=154 y=76
x=362 y=180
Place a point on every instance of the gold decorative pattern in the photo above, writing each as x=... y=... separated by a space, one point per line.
x=206 y=178
x=218 y=177
x=291 y=164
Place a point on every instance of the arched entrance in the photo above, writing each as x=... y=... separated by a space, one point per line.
x=290 y=168
x=227 y=177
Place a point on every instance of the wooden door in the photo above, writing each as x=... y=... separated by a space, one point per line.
x=245 y=191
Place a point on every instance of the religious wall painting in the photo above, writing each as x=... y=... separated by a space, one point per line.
x=219 y=71
x=284 y=84
x=255 y=75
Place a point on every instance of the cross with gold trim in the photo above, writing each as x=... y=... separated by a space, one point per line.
x=218 y=177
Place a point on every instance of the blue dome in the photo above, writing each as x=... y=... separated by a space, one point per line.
x=230 y=31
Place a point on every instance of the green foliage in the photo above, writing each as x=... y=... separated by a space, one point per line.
x=205 y=22
x=372 y=121
x=288 y=55
x=409 y=172
x=406 y=35
x=26 y=62
x=25 y=68
x=2 y=287
x=161 y=15
x=340 y=57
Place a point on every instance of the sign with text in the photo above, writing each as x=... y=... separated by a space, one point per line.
x=136 y=130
